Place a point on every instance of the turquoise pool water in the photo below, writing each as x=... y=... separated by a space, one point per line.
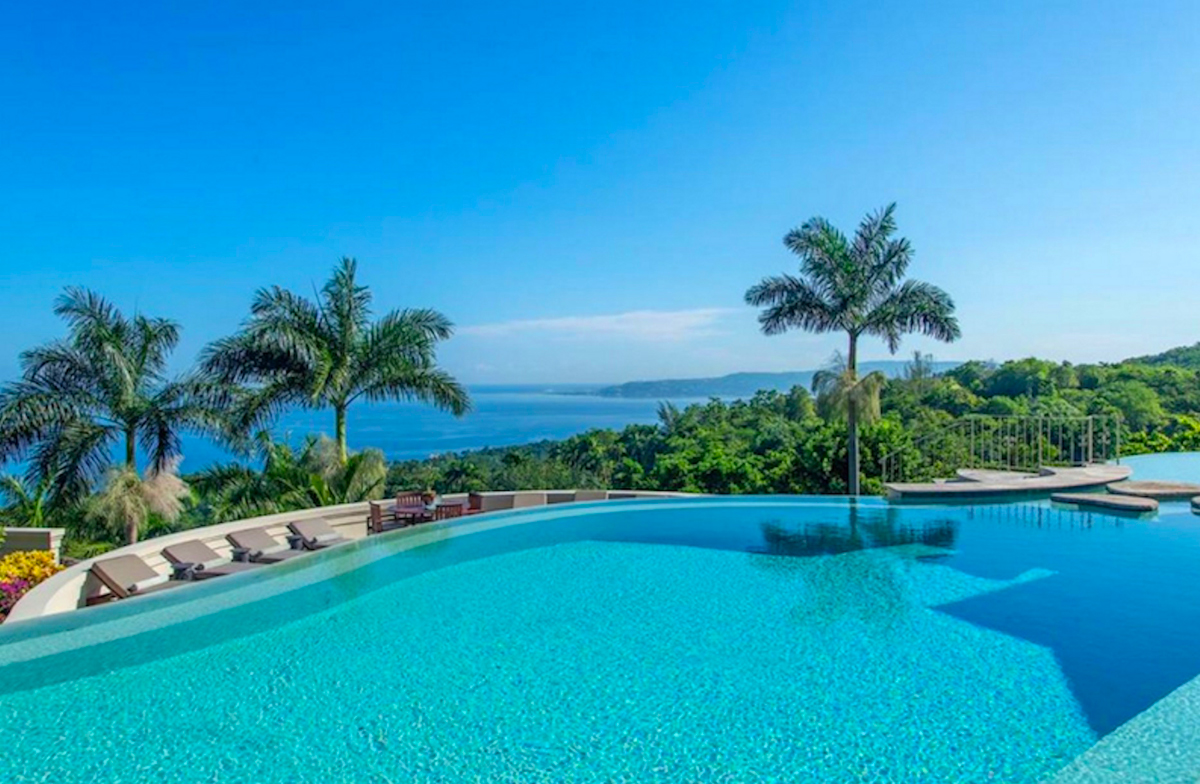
x=732 y=640
x=1166 y=466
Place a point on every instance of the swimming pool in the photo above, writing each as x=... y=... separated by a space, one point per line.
x=734 y=639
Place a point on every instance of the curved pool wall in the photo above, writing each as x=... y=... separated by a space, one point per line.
x=1030 y=632
x=73 y=587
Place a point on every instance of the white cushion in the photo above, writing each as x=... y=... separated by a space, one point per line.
x=329 y=537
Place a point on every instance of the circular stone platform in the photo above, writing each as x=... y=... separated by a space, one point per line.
x=1160 y=491
x=1121 y=503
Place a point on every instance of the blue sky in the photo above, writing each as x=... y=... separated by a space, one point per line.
x=588 y=189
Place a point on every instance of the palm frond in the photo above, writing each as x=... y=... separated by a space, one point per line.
x=914 y=306
x=792 y=302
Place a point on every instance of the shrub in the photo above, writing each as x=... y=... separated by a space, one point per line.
x=31 y=565
x=20 y=572
x=10 y=592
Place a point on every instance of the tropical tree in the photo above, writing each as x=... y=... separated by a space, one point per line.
x=104 y=387
x=855 y=286
x=25 y=505
x=839 y=390
x=329 y=353
x=290 y=479
x=128 y=500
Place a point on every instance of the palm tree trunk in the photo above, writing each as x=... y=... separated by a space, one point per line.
x=339 y=413
x=852 y=420
x=131 y=448
x=131 y=530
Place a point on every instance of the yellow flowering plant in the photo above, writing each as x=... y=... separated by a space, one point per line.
x=30 y=565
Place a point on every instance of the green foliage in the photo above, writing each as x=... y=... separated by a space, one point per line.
x=1181 y=356
x=313 y=476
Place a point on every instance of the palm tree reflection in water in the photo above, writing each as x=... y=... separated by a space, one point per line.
x=867 y=585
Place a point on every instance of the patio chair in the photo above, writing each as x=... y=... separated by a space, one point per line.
x=409 y=508
x=129 y=575
x=447 y=511
x=378 y=520
x=261 y=546
x=197 y=561
x=317 y=533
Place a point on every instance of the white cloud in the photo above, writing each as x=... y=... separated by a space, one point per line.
x=657 y=326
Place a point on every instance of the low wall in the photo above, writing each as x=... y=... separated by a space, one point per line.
x=18 y=539
x=71 y=588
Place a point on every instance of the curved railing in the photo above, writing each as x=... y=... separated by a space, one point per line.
x=71 y=588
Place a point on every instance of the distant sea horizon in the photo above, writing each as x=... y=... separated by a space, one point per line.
x=502 y=415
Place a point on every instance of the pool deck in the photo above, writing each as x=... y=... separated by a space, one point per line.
x=971 y=483
x=1107 y=502
x=1160 y=491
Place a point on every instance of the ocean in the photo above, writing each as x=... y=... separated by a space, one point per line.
x=502 y=416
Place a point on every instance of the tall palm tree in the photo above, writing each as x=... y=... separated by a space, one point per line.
x=856 y=287
x=329 y=353
x=103 y=387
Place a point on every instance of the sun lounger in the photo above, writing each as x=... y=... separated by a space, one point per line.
x=129 y=575
x=316 y=533
x=204 y=561
x=261 y=546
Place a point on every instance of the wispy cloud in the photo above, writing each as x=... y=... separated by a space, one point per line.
x=660 y=326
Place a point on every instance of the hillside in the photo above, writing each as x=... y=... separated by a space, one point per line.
x=1181 y=356
x=742 y=384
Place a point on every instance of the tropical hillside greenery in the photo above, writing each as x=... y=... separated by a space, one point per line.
x=786 y=443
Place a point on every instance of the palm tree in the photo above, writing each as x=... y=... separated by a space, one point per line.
x=26 y=505
x=856 y=287
x=128 y=500
x=328 y=353
x=105 y=386
x=839 y=390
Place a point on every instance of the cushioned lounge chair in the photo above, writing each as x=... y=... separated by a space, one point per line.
x=261 y=546
x=316 y=534
x=129 y=575
x=204 y=561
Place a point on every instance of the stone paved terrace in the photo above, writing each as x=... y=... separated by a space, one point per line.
x=972 y=483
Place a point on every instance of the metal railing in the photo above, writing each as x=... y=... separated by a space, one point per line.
x=1008 y=443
